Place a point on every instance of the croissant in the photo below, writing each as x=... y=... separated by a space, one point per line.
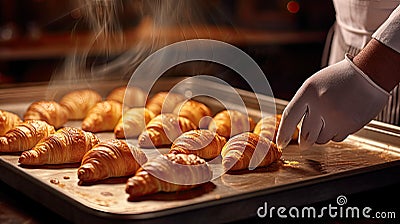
x=240 y=150
x=25 y=136
x=129 y=96
x=103 y=116
x=111 y=158
x=268 y=127
x=231 y=122
x=203 y=143
x=79 y=102
x=168 y=173
x=67 y=145
x=160 y=101
x=133 y=122
x=49 y=111
x=8 y=121
x=163 y=130
x=194 y=111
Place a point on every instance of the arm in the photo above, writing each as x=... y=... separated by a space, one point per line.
x=340 y=99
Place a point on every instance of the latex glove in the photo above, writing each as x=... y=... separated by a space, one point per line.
x=335 y=102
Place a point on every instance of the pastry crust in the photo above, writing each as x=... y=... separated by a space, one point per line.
x=164 y=101
x=194 y=111
x=67 y=145
x=25 y=136
x=228 y=123
x=128 y=96
x=267 y=127
x=133 y=122
x=168 y=173
x=8 y=120
x=111 y=158
x=104 y=116
x=163 y=130
x=239 y=150
x=49 y=111
x=203 y=143
x=79 y=102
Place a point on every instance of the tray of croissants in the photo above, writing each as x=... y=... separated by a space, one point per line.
x=127 y=155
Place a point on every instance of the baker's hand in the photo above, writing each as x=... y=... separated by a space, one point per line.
x=335 y=102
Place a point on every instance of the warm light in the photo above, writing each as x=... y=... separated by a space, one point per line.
x=293 y=6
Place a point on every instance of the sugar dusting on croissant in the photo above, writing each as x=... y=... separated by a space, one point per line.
x=104 y=116
x=79 y=102
x=25 y=136
x=8 y=120
x=168 y=173
x=204 y=143
x=110 y=158
x=133 y=122
x=241 y=149
x=228 y=123
x=67 y=145
x=268 y=127
x=163 y=130
x=49 y=111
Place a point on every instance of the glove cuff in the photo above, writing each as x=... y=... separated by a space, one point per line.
x=349 y=59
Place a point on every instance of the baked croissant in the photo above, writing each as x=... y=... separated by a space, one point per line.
x=168 y=173
x=268 y=127
x=194 y=111
x=203 y=143
x=111 y=158
x=231 y=122
x=133 y=122
x=25 y=136
x=67 y=145
x=8 y=121
x=49 y=111
x=103 y=116
x=240 y=149
x=160 y=102
x=129 y=96
x=79 y=102
x=163 y=130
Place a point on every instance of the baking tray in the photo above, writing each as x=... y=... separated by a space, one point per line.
x=366 y=160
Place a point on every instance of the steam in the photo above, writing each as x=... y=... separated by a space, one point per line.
x=160 y=22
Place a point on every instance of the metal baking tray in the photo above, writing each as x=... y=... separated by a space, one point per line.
x=366 y=160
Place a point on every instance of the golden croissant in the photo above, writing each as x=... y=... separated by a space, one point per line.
x=133 y=122
x=25 y=136
x=164 y=101
x=104 y=116
x=50 y=111
x=163 y=130
x=168 y=173
x=8 y=120
x=67 y=145
x=231 y=122
x=268 y=127
x=241 y=149
x=193 y=111
x=129 y=96
x=203 y=143
x=111 y=158
x=79 y=102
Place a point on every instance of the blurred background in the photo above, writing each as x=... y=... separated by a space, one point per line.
x=42 y=38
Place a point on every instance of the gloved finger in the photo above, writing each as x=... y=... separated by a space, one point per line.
x=339 y=137
x=291 y=116
x=325 y=135
x=310 y=129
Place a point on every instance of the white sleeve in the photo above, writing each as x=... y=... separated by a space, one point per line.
x=389 y=32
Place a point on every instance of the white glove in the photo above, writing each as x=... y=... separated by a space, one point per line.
x=335 y=102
